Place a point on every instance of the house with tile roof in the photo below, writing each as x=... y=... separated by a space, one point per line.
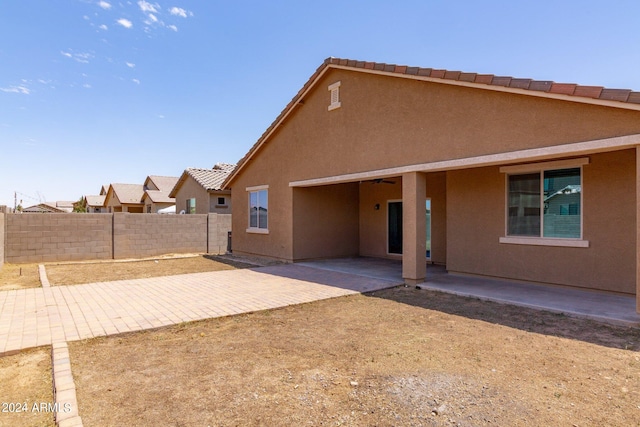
x=488 y=175
x=124 y=198
x=199 y=191
x=156 y=193
x=95 y=204
x=50 y=207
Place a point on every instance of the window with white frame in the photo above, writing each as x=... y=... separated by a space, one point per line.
x=258 y=209
x=544 y=201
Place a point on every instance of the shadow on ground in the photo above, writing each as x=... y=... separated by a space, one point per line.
x=511 y=316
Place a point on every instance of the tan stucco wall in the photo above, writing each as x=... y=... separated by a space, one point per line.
x=476 y=221
x=374 y=223
x=213 y=202
x=205 y=202
x=325 y=221
x=386 y=122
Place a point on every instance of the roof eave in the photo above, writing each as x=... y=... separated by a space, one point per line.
x=402 y=72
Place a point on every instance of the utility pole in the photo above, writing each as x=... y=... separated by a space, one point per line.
x=15 y=201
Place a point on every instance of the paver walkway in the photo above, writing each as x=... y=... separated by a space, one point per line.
x=41 y=316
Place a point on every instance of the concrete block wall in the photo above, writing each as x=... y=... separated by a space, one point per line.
x=75 y=237
x=57 y=237
x=219 y=228
x=138 y=236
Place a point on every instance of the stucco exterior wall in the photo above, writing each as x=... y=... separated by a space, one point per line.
x=214 y=207
x=374 y=223
x=190 y=189
x=476 y=220
x=386 y=122
x=325 y=221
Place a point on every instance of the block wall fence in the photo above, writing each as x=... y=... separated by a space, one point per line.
x=81 y=237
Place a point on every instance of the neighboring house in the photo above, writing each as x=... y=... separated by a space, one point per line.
x=156 y=193
x=526 y=180
x=95 y=204
x=199 y=191
x=50 y=207
x=124 y=198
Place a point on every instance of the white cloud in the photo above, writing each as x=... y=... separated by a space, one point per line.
x=125 y=22
x=136 y=81
x=130 y=64
x=103 y=27
x=148 y=7
x=16 y=89
x=78 y=57
x=172 y=27
x=86 y=86
x=104 y=4
x=153 y=17
x=178 y=11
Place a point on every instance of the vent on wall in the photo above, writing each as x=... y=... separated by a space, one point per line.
x=335 y=96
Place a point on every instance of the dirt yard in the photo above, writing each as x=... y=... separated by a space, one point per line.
x=25 y=381
x=21 y=276
x=400 y=357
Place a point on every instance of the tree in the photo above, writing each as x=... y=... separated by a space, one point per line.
x=80 y=206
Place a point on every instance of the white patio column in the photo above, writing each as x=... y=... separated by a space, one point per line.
x=414 y=228
x=638 y=228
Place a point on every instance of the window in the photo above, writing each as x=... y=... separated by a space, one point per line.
x=258 y=209
x=545 y=203
x=222 y=201
x=334 y=89
x=191 y=206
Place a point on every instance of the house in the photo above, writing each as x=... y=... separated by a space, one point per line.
x=124 y=198
x=156 y=193
x=50 y=207
x=503 y=177
x=199 y=191
x=95 y=204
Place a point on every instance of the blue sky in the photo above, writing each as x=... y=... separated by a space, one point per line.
x=94 y=92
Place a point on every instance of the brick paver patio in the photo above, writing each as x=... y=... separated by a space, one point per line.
x=41 y=316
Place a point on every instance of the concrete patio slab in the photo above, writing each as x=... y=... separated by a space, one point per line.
x=601 y=306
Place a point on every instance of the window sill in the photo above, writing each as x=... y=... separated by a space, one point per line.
x=258 y=230
x=542 y=241
x=222 y=206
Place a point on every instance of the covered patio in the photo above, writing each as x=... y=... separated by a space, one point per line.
x=600 y=306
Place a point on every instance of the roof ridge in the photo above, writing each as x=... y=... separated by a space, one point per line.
x=548 y=86
x=622 y=96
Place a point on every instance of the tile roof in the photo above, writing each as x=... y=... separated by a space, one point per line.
x=164 y=183
x=621 y=96
x=210 y=179
x=224 y=166
x=159 y=196
x=128 y=193
x=95 y=200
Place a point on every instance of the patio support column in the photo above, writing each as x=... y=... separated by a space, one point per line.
x=638 y=228
x=414 y=228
